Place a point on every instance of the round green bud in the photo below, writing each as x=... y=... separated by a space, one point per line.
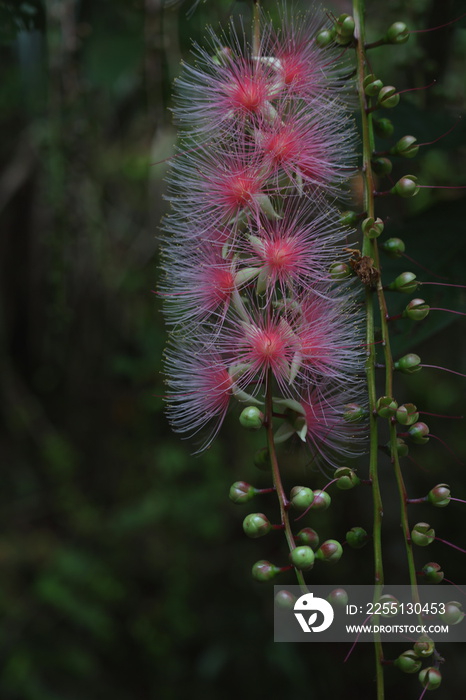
x=301 y=497
x=406 y=186
x=405 y=147
x=241 y=492
x=408 y=662
x=422 y=534
x=345 y=25
x=383 y=127
x=325 y=37
x=308 y=536
x=416 y=310
x=453 y=614
x=397 y=33
x=340 y=271
x=390 y=605
x=329 y=551
x=256 y=525
x=386 y=406
x=353 y=413
x=401 y=447
x=264 y=571
x=373 y=88
x=372 y=228
x=338 y=598
x=388 y=97
x=406 y=283
x=285 y=600
x=357 y=537
x=408 y=364
x=430 y=678
x=424 y=646
x=349 y=218
x=439 y=496
x=321 y=500
x=382 y=166
x=251 y=418
x=432 y=572
x=262 y=459
x=407 y=414
x=418 y=433
x=393 y=247
x=302 y=558
x=347 y=478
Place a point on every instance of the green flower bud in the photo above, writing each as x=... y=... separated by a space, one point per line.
x=382 y=166
x=241 y=492
x=301 y=497
x=340 y=271
x=432 y=572
x=321 y=500
x=408 y=662
x=408 y=364
x=386 y=406
x=406 y=186
x=416 y=310
x=424 y=646
x=405 y=147
x=264 y=571
x=453 y=614
x=349 y=218
x=439 y=496
x=422 y=534
x=329 y=551
x=407 y=414
x=345 y=25
x=373 y=87
x=393 y=247
x=418 y=433
x=285 y=600
x=347 y=478
x=251 y=418
x=383 y=127
x=388 y=97
x=406 y=282
x=325 y=37
x=397 y=33
x=357 y=537
x=338 y=597
x=354 y=412
x=256 y=525
x=372 y=228
x=430 y=678
x=262 y=459
x=308 y=536
x=401 y=447
x=302 y=558
x=390 y=605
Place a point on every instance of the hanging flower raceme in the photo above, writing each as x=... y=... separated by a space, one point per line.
x=267 y=145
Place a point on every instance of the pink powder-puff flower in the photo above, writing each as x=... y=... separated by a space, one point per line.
x=200 y=389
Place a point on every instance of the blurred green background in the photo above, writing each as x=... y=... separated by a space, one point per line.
x=124 y=572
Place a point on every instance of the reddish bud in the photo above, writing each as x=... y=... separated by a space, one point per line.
x=439 y=496
x=416 y=310
x=285 y=600
x=338 y=597
x=418 y=433
x=308 y=536
x=422 y=534
x=241 y=492
x=340 y=271
x=408 y=662
x=406 y=187
x=430 y=678
x=264 y=571
x=329 y=551
x=424 y=646
x=407 y=414
x=256 y=525
x=321 y=500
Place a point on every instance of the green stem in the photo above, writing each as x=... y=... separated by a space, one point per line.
x=369 y=249
x=277 y=480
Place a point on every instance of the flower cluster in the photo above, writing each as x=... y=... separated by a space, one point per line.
x=267 y=145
